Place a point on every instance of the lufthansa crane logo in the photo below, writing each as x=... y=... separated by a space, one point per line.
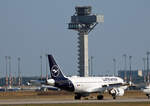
x=55 y=71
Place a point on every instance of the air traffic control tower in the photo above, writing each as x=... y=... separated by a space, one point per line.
x=83 y=22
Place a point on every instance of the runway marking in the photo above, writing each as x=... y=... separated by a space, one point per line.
x=39 y=101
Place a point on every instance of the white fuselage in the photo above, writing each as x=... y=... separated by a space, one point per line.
x=93 y=84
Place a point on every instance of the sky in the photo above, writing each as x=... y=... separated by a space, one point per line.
x=32 y=28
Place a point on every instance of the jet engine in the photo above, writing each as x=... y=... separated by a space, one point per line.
x=116 y=92
x=50 y=82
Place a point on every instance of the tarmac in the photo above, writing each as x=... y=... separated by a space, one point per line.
x=49 y=101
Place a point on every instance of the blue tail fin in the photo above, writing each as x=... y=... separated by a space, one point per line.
x=55 y=71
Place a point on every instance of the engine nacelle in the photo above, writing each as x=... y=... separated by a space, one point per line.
x=51 y=82
x=116 y=92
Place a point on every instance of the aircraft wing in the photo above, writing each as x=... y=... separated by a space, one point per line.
x=116 y=85
x=47 y=87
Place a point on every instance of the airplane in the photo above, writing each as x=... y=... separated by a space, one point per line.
x=83 y=86
x=41 y=84
x=146 y=90
x=36 y=82
x=48 y=87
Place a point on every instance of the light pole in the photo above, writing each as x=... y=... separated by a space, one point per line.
x=10 y=77
x=41 y=66
x=46 y=67
x=6 y=57
x=144 y=62
x=130 y=63
x=19 y=72
x=125 y=67
x=148 y=66
x=114 y=61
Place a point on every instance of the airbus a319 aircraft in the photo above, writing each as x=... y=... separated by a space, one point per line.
x=83 y=86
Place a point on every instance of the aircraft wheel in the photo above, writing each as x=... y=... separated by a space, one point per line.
x=77 y=97
x=148 y=97
x=100 y=97
x=114 y=97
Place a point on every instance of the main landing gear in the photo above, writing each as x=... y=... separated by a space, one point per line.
x=77 y=97
x=113 y=96
x=100 y=97
x=148 y=96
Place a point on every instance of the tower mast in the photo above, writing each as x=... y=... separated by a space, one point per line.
x=83 y=22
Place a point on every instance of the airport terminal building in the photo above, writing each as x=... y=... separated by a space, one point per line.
x=136 y=76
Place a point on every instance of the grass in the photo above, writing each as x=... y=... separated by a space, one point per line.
x=59 y=94
x=62 y=95
x=33 y=94
x=87 y=104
